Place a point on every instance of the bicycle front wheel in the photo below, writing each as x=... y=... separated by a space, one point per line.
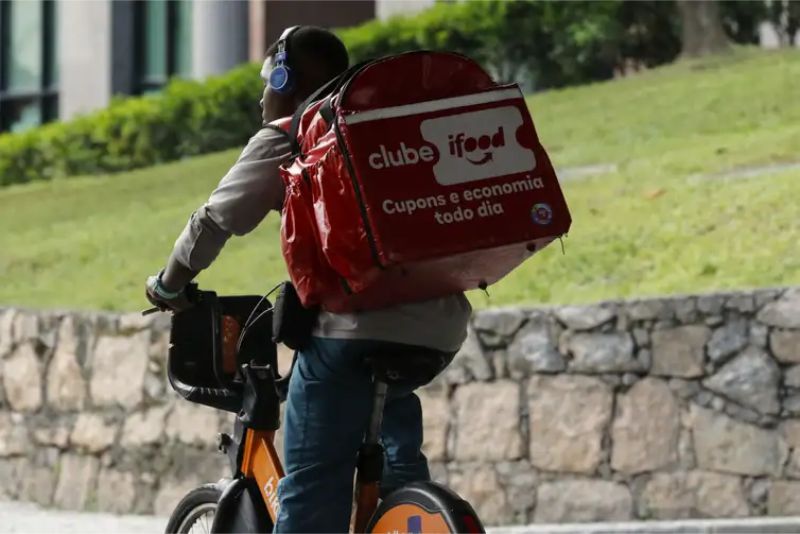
x=195 y=513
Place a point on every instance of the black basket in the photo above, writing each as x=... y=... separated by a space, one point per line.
x=204 y=364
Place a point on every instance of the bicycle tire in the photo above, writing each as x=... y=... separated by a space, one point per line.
x=194 y=505
x=423 y=507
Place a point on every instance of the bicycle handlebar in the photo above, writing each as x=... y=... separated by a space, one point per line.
x=191 y=292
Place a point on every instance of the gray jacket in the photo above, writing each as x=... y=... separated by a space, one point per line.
x=250 y=190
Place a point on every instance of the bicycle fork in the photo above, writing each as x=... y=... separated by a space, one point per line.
x=370 y=461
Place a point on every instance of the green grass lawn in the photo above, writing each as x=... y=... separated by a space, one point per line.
x=649 y=228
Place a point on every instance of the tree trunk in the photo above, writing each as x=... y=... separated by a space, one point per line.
x=702 y=32
x=785 y=17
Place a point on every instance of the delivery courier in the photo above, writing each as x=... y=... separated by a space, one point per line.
x=413 y=177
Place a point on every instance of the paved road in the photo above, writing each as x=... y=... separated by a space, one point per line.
x=760 y=525
x=19 y=518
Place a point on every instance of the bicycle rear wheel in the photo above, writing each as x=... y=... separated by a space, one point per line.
x=424 y=507
x=195 y=513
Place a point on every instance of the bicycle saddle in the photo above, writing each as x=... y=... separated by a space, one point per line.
x=409 y=364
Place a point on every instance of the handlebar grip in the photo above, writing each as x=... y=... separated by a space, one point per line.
x=191 y=292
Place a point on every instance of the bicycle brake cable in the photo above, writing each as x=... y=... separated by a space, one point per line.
x=255 y=308
x=250 y=321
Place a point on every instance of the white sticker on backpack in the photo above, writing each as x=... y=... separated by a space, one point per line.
x=478 y=145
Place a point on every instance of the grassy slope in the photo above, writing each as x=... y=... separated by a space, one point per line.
x=645 y=229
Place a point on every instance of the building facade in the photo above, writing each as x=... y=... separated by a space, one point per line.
x=62 y=58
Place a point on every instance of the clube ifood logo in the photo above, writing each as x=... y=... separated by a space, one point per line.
x=470 y=146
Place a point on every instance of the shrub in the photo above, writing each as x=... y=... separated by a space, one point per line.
x=537 y=43
x=186 y=119
x=552 y=44
x=541 y=44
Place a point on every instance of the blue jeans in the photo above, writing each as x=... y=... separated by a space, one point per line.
x=327 y=413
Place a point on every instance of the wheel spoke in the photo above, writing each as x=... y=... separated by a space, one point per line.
x=199 y=520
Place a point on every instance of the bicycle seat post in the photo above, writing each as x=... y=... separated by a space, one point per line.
x=370 y=460
x=376 y=418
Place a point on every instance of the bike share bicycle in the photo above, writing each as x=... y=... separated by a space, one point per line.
x=223 y=354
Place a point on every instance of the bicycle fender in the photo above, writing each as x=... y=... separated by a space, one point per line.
x=241 y=509
x=424 y=507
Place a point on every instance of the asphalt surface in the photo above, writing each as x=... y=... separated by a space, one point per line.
x=18 y=518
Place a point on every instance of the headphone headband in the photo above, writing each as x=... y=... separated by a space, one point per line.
x=288 y=33
x=283 y=43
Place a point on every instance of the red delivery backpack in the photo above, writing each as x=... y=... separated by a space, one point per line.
x=412 y=177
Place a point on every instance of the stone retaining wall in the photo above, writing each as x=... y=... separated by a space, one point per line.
x=665 y=408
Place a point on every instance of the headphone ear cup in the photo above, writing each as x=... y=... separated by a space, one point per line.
x=281 y=79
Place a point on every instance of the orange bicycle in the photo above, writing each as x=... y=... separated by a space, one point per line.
x=222 y=355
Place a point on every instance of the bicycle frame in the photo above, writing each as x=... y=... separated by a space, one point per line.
x=256 y=459
x=261 y=463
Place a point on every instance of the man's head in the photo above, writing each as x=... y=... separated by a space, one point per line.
x=314 y=56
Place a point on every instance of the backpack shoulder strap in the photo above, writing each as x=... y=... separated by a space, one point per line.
x=326 y=109
x=294 y=125
x=331 y=87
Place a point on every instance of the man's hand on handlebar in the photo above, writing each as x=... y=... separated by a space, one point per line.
x=164 y=299
x=167 y=290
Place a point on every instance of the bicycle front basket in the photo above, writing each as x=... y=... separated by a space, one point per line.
x=204 y=363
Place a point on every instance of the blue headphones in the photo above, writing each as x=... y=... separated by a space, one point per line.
x=281 y=79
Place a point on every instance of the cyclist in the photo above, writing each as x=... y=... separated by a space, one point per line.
x=330 y=391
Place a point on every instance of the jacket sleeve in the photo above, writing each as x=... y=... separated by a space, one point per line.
x=244 y=196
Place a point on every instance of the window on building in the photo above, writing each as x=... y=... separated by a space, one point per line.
x=164 y=42
x=28 y=69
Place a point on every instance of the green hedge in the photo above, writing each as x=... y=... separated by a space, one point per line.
x=185 y=119
x=544 y=44
x=555 y=43
x=538 y=43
